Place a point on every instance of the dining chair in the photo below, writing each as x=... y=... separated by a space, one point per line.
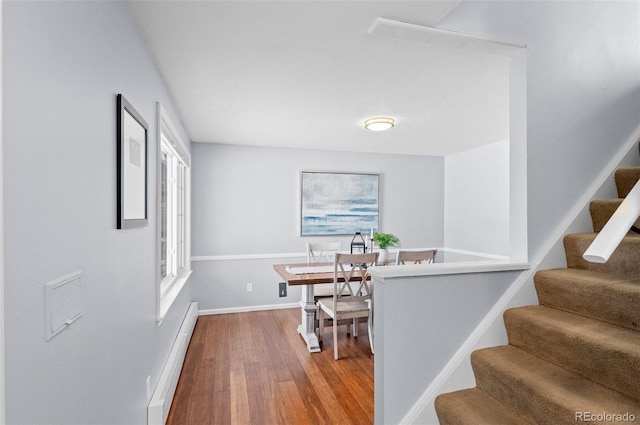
x=351 y=296
x=322 y=253
x=416 y=257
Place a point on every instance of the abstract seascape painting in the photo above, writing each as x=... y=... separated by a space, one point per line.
x=339 y=203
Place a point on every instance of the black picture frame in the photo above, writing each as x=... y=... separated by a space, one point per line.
x=132 y=166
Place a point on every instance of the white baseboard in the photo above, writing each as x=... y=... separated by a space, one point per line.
x=248 y=308
x=425 y=401
x=160 y=403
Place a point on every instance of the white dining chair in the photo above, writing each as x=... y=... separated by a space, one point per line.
x=351 y=294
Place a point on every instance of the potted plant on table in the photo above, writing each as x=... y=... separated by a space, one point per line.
x=384 y=241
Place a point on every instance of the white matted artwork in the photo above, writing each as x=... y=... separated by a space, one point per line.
x=132 y=167
x=339 y=203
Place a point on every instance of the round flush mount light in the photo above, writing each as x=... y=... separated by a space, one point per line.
x=379 y=123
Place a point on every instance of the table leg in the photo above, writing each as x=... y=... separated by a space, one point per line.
x=307 y=328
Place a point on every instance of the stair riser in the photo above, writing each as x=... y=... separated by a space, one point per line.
x=473 y=406
x=617 y=303
x=579 y=351
x=624 y=261
x=601 y=212
x=625 y=179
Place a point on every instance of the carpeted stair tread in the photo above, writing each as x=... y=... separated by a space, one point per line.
x=542 y=392
x=474 y=406
x=601 y=211
x=624 y=261
x=611 y=298
x=626 y=178
x=606 y=354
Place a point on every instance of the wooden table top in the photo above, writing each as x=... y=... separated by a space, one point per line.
x=306 y=278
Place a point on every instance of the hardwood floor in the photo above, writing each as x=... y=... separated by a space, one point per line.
x=254 y=368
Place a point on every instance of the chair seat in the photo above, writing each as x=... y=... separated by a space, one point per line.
x=322 y=291
x=346 y=309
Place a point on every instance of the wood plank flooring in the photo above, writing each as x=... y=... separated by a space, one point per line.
x=254 y=368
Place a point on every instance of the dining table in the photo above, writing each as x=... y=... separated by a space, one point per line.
x=308 y=275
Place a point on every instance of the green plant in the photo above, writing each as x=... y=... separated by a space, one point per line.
x=385 y=240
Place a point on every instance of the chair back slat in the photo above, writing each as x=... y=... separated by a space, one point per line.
x=353 y=269
x=322 y=252
x=416 y=257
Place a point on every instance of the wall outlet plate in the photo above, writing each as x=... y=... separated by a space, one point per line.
x=282 y=291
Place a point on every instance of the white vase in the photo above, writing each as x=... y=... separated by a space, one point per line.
x=383 y=256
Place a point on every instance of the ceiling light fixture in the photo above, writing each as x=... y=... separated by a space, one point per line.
x=379 y=123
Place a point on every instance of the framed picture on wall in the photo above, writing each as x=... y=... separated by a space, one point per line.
x=338 y=203
x=132 y=172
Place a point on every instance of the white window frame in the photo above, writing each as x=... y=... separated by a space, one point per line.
x=179 y=261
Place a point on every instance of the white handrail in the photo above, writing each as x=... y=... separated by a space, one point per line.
x=616 y=228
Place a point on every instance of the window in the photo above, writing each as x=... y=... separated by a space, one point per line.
x=173 y=215
x=172 y=219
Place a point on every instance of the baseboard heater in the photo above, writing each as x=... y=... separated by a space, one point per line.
x=160 y=403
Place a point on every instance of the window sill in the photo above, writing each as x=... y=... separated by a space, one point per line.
x=166 y=300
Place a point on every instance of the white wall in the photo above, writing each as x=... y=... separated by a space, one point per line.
x=582 y=90
x=419 y=324
x=246 y=201
x=64 y=63
x=476 y=200
x=2 y=386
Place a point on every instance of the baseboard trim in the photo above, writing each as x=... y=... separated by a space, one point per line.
x=158 y=408
x=246 y=309
x=425 y=401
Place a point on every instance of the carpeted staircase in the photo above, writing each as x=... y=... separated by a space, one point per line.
x=576 y=356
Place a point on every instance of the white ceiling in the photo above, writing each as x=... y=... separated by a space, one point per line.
x=306 y=74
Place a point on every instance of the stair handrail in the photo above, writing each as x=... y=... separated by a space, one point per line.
x=616 y=228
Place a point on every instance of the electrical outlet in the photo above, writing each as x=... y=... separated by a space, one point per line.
x=249 y=287
x=282 y=289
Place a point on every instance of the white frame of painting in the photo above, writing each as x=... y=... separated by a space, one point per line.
x=323 y=190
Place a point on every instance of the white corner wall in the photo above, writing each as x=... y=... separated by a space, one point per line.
x=582 y=92
x=476 y=200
